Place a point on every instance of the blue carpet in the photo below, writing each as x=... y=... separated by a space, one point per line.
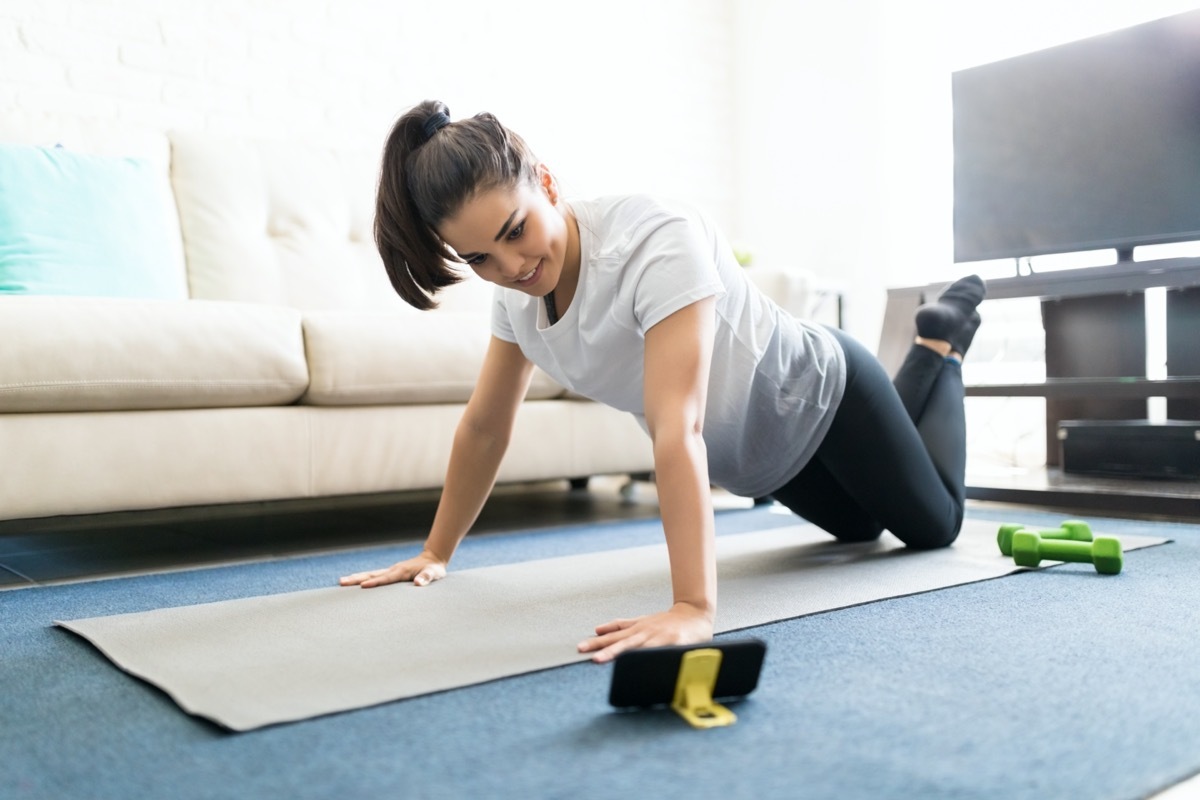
x=1055 y=683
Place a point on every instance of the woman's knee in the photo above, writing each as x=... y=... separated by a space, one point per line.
x=858 y=533
x=931 y=536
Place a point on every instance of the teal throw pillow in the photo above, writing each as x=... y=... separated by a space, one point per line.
x=74 y=224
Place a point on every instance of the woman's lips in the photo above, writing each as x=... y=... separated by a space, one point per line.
x=533 y=276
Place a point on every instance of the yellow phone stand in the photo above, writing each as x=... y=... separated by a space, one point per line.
x=698 y=670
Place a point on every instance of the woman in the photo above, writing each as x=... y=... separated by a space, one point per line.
x=640 y=304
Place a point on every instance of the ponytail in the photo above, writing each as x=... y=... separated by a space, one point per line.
x=431 y=167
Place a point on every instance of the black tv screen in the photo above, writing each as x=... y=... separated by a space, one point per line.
x=1088 y=145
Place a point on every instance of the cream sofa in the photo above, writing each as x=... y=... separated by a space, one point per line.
x=288 y=369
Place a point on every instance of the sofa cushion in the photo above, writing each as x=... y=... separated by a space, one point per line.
x=288 y=223
x=372 y=358
x=100 y=354
x=278 y=222
x=75 y=224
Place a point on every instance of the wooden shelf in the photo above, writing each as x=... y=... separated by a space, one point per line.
x=1052 y=487
x=1092 y=387
x=1088 y=281
x=1132 y=276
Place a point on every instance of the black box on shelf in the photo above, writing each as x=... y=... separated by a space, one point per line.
x=1131 y=448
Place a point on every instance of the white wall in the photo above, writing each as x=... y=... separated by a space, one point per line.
x=810 y=143
x=817 y=132
x=616 y=97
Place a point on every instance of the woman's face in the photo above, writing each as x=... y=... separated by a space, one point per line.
x=515 y=238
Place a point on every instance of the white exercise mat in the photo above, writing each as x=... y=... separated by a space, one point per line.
x=257 y=661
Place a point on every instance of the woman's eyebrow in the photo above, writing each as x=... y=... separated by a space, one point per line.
x=504 y=227
x=503 y=230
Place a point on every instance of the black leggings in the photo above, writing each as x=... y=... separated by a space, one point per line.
x=894 y=457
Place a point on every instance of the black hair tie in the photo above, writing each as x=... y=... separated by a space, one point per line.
x=437 y=120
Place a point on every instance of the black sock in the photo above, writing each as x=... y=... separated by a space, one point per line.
x=953 y=317
x=962 y=339
x=965 y=294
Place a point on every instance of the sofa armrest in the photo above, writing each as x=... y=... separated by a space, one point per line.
x=800 y=293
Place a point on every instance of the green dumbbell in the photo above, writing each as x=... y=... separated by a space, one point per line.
x=1073 y=529
x=1104 y=553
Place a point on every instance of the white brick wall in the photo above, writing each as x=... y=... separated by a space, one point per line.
x=622 y=96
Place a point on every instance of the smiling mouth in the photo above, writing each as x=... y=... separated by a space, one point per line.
x=529 y=276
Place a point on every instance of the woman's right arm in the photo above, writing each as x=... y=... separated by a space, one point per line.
x=479 y=444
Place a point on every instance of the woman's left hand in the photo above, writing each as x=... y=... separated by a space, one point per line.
x=682 y=624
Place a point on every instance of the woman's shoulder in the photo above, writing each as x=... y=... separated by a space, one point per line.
x=623 y=221
x=632 y=209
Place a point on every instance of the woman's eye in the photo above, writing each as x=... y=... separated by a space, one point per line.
x=516 y=232
x=477 y=260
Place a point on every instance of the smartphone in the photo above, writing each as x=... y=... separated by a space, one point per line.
x=646 y=678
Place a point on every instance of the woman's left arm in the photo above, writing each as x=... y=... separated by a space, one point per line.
x=677 y=361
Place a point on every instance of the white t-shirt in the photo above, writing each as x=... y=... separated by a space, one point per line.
x=775 y=381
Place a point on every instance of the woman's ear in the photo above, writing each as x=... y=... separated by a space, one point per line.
x=548 y=183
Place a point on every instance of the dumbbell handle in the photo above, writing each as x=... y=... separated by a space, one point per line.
x=1065 y=550
x=1104 y=553
x=1071 y=529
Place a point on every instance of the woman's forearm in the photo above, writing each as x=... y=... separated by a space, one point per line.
x=685 y=501
x=474 y=462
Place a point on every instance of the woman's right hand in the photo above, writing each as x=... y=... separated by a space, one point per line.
x=421 y=570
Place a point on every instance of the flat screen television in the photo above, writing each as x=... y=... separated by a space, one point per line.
x=1089 y=145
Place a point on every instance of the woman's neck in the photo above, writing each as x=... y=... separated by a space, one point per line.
x=568 y=279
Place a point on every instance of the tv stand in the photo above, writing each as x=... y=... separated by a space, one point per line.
x=1095 y=328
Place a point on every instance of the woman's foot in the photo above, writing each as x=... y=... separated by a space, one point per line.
x=962 y=339
x=953 y=318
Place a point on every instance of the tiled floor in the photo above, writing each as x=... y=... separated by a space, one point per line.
x=62 y=549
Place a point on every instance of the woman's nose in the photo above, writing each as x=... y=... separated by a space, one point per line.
x=512 y=266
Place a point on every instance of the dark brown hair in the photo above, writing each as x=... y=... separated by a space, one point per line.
x=430 y=168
